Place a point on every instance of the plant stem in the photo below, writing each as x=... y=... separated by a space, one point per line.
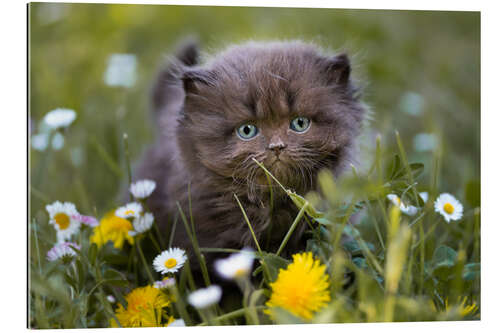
x=422 y=258
x=35 y=226
x=249 y=225
x=292 y=228
x=268 y=173
x=160 y=238
x=196 y=247
x=127 y=162
x=139 y=249
x=181 y=306
x=155 y=243
x=407 y=165
x=113 y=166
x=172 y=231
x=233 y=314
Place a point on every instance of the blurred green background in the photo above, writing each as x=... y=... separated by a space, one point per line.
x=420 y=71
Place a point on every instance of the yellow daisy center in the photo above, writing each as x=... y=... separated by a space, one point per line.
x=62 y=220
x=448 y=208
x=129 y=212
x=398 y=200
x=170 y=263
x=240 y=272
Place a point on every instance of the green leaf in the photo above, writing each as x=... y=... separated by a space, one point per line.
x=323 y=221
x=352 y=247
x=443 y=261
x=396 y=167
x=111 y=274
x=81 y=273
x=300 y=201
x=69 y=280
x=416 y=169
x=472 y=271
x=116 y=259
x=257 y=270
x=360 y=262
x=118 y=283
x=274 y=264
x=92 y=253
x=282 y=316
x=444 y=255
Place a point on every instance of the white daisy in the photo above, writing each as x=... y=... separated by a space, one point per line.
x=87 y=220
x=170 y=261
x=59 y=118
x=165 y=283
x=121 y=70
x=142 y=188
x=132 y=209
x=62 y=216
x=177 y=323
x=449 y=207
x=40 y=141
x=62 y=251
x=408 y=209
x=111 y=298
x=142 y=224
x=203 y=298
x=58 y=141
x=236 y=265
x=425 y=142
x=424 y=196
x=405 y=209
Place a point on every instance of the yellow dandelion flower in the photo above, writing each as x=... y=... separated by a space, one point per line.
x=145 y=308
x=302 y=288
x=112 y=228
x=463 y=310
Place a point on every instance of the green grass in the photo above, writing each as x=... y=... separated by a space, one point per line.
x=423 y=74
x=406 y=268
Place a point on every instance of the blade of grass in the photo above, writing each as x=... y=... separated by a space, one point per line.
x=298 y=218
x=39 y=263
x=143 y=259
x=108 y=160
x=270 y=174
x=378 y=159
x=196 y=247
x=233 y=314
x=248 y=223
x=181 y=307
x=153 y=240
x=127 y=163
x=422 y=258
x=372 y=212
x=39 y=195
x=172 y=231
x=406 y=165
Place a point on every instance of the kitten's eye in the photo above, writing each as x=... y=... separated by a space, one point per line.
x=300 y=124
x=247 y=131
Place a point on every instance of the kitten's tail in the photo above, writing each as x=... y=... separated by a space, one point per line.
x=167 y=86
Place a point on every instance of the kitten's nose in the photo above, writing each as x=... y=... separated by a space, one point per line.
x=277 y=146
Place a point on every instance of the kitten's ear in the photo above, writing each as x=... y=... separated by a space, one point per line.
x=338 y=69
x=193 y=79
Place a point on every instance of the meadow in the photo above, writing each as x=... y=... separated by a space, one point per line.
x=410 y=257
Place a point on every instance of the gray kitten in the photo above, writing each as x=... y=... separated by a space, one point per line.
x=285 y=104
